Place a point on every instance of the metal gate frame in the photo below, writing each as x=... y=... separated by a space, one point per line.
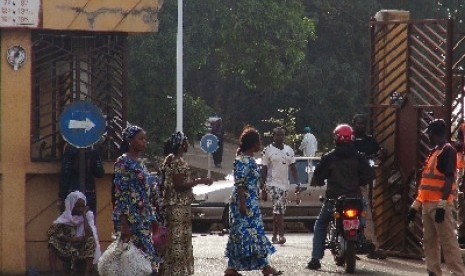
x=71 y=66
x=416 y=75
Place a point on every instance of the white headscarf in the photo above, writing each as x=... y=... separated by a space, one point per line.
x=78 y=221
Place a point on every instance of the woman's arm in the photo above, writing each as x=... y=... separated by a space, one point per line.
x=87 y=220
x=123 y=198
x=242 y=204
x=181 y=184
x=122 y=192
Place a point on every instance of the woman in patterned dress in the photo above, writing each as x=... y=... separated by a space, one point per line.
x=178 y=196
x=73 y=235
x=132 y=211
x=248 y=248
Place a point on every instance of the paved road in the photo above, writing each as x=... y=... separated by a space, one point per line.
x=198 y=159
x=292 y=258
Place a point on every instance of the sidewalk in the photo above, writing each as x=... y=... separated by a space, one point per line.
x=196 y=158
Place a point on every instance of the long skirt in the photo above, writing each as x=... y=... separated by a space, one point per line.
x=178 y=255
x=58 y=239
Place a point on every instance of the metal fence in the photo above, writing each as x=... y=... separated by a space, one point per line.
x=72 y=66
x=416 y=75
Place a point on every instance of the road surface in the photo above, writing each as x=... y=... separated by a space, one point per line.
x=292 y=257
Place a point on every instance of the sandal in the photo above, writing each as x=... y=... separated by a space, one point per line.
x=231 y=272
x=276 y=273
x=270 y=271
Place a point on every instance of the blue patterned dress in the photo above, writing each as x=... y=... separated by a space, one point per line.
x=132 y=194
x=248 y=248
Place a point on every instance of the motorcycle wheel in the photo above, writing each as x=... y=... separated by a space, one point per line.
x=350 y=258
x=339 y=252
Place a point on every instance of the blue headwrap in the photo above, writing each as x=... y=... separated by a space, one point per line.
x=130 y=132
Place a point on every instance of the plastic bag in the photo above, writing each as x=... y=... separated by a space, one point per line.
x=123 y=259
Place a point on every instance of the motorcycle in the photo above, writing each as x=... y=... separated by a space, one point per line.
x=343 y=232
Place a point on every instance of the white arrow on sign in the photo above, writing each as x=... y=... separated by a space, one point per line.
x=87 y=124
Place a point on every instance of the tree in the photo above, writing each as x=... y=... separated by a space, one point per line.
x=234 y=55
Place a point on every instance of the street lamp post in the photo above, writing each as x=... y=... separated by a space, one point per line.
x=179 y=73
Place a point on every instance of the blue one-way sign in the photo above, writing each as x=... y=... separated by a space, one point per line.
x=82 y=124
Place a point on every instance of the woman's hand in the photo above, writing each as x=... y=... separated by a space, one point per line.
x=207 y=181
x=263 y=194
x=243 y=208
x=126 y=232
x=84 y=214
x=202 y=180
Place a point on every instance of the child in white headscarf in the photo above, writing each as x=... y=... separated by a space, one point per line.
x=73 y=235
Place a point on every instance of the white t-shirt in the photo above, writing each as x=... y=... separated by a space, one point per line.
x=278 y=161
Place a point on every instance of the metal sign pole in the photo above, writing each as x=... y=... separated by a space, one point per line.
x=208 y=164
x=82 y=170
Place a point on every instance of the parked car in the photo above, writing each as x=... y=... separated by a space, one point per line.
x=211 y=202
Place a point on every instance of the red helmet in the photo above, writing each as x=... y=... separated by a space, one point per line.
x=343 y=134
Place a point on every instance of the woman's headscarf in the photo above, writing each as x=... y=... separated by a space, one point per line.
x=177 y=139
x=66 y=217
x=130 y=132
x=78 y=221
x=173 y=144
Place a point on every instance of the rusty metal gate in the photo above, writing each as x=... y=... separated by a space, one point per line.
x=70 y=66
x=416 y=75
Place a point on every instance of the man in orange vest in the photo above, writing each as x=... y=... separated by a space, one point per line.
x=435 y=197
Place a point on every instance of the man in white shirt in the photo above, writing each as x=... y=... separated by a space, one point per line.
x=309 y=143
x=277 y=159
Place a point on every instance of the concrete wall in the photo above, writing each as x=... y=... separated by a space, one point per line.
x=41 y=211
x=15 y=120
x=28 y=190
x=101 y=15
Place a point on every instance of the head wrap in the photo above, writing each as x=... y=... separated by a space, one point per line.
x=78 y=221
x=130 y=132
x=66 y=217
x=307 y=129
x=177 y=139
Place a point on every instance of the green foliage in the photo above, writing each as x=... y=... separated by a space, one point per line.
x=196 y=113
x=263 y=42
x=287 y=120
x=252 y=61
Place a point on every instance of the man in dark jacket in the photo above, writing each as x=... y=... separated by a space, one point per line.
x=344 y=170
x=69 y=179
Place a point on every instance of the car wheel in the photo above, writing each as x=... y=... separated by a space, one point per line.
x=225 y=218
x=310 y=225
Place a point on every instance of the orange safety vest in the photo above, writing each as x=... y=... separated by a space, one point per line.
x=432 y=180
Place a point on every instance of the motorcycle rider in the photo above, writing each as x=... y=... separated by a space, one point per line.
x=435 y=198
x=344 y=170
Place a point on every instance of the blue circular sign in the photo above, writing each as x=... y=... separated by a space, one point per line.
x=82 y=124
x=209 y=143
